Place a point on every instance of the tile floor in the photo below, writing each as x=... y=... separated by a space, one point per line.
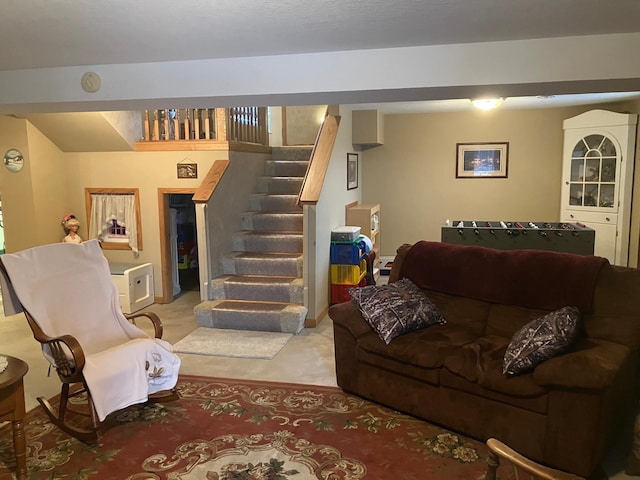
x=307 y=358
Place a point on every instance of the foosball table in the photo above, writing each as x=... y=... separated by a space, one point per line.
x=507 y=235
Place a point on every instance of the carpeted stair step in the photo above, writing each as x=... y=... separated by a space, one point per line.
x=272 y=221
x=262 y=202
x=285 y=168
x=243 y=315
x=258 y=288
x=279 y=185
x=291 y=153
x=283 y=242
x=254 y=263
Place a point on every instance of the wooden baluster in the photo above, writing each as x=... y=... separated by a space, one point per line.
x=196 y=124
x=248 y=125
x=166 y=125
x=156 y=125
x=242 y=125
x=187 y=131
x=254 y=123
x=207 y=129
x=147 y=132
x=176 y=125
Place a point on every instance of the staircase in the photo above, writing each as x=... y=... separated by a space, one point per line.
x=262 y=286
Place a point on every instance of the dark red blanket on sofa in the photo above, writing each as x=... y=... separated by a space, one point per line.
x=529 y=278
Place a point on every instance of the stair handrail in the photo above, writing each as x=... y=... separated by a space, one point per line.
x=319 y=161
x=211 y=181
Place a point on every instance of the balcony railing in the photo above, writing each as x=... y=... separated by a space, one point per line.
x=206 y=125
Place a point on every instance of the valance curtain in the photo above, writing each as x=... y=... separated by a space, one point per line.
x=108 y=207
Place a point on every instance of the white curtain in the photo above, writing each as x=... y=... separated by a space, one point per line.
x=107 y=207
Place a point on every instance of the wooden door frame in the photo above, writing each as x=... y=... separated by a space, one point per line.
x=165 y=233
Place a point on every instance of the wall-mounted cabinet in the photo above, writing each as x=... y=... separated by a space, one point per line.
x=598 y=163
x=367 y=128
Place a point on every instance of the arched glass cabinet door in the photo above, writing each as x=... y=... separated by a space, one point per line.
x=594 y=164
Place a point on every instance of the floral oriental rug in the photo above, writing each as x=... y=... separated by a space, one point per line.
x=224 y=429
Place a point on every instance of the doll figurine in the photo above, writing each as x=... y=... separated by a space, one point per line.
x=71 y=226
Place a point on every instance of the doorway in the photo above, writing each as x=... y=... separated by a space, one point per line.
x=185 y=242
x=178 y=242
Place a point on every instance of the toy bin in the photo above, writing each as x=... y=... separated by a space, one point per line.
x=340 y=293
x=345 y=234
x=348 y=274
x=346 y=253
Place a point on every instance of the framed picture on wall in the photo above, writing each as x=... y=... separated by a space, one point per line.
x=352 y=171
x=187 y=170
x=482 y=160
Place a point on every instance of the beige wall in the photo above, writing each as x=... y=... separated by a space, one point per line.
x=301 y=124
x=413 y=175
x=33 y=199
x=330 y=211
x=147 y=171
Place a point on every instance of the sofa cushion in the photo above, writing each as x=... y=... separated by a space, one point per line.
x=395 y=309
x=541 y=339
x=480 y=362
x=506 y=320
x=460 y=311
x=424 y=349
x=529 y=278
x=533 y=403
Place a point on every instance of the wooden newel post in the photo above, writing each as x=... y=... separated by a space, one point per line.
x=221 y=124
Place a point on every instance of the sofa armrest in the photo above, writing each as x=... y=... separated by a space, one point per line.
x=401 y=252
x=592 y=364
x=348 y=316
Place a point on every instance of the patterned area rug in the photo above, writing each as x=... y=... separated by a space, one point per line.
x=225 y=429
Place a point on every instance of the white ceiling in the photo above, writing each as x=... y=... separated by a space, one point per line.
x=64 y=33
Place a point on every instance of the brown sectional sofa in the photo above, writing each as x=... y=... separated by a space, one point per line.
x=565 y=412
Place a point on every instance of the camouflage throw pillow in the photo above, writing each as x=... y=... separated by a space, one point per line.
x=541 y=339
x=395 y=309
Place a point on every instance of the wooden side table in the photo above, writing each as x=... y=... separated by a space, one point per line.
x=12 y=408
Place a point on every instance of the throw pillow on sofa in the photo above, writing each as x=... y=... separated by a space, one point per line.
x=395 y=309
x=541 y=339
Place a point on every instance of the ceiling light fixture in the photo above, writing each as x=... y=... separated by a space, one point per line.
x=487 y=103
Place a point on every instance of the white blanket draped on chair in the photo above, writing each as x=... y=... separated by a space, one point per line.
x=67 y=289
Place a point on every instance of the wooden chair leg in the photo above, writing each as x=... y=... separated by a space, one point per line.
x=59 y=418
x=164 y=396
x=493 y=462
x=84 y=435
x=64 y=398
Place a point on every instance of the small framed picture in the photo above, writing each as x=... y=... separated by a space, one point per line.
x=352 y=171
x=482 y=160
x=187 y=170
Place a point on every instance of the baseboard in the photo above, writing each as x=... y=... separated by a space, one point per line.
x=314 y=322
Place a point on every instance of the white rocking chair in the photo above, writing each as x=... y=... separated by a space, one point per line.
x=72 y=307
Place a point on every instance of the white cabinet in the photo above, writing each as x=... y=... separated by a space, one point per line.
x=597 y=178
x=134 y=284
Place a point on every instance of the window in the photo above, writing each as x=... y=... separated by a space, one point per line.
x=114 y=217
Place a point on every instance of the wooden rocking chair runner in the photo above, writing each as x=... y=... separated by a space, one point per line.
x=72 y=307
x=526 y=467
